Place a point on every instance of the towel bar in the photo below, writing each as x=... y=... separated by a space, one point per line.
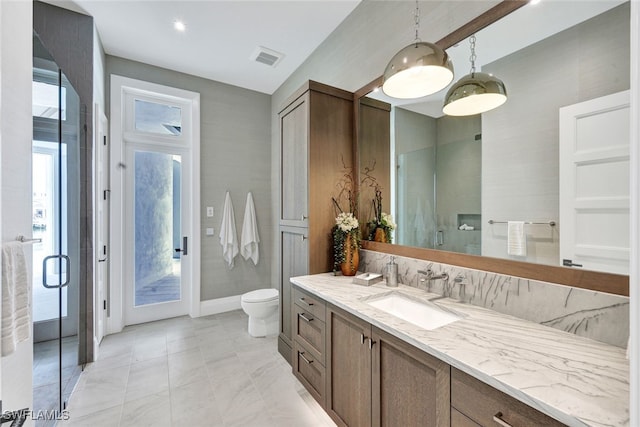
x=549 y=223
x=21 y=238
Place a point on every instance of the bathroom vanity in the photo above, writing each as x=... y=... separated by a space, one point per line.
x=367 y=367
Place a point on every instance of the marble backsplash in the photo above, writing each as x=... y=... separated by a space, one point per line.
x=596 y=315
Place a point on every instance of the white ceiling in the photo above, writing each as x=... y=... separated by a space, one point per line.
x=220 y=36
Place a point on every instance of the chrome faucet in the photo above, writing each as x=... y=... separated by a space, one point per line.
x=431 y=276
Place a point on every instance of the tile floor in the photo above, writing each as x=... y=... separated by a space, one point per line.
x=46 y=378
x=206 y=371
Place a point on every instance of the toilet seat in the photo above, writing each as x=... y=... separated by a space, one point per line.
x=260 y=295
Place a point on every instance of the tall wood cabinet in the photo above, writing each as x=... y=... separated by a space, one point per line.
x=316 y=141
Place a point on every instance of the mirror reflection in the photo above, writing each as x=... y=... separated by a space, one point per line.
x=449 y=176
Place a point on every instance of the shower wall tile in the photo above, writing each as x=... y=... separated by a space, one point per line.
x=596 y=315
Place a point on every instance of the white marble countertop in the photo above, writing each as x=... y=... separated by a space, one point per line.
x=575 y=380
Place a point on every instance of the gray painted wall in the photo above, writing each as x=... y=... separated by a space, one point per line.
x=520 y=139
x=235 y=154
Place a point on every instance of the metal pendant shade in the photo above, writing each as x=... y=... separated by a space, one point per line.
x=418 y=70
x=474 y=93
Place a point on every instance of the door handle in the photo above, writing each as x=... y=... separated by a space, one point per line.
x=184 y=248
x=570 y=263
x=66 y=276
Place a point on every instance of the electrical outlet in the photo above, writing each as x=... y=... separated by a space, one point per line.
x=209 y=211
x=209 y=231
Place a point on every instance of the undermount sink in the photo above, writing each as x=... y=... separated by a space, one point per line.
x=425 y=314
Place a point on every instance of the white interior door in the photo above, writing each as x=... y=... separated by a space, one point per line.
x=102 y=225
x=154 y=268
x=594 y=184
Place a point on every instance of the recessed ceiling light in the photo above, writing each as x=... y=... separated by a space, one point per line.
x=535 y=2
x=179 y=25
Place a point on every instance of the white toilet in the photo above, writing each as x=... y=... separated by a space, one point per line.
x=262 y=308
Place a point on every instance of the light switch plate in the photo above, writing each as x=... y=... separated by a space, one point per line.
x=209 y=231
x=209 y=211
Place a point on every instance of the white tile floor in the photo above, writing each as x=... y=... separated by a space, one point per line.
x=206 y=371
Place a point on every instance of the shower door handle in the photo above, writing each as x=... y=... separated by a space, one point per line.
x=67 y=271
x=184 y=247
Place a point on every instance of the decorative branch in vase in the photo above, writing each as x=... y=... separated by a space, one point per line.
x=346 y=240
x=382 y=225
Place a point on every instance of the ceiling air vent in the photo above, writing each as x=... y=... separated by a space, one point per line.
x=267 y=56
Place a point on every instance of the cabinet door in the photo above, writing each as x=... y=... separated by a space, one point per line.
x=348 y=369
x=294 y=138
x=409 y=387
x=295 y=258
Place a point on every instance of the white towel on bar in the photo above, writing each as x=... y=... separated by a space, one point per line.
x=516 y=238
x=250 y=238
x=228 y=235
x=15 y=297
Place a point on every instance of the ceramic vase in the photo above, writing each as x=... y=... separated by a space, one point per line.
x=380 y=235
x=351 y=258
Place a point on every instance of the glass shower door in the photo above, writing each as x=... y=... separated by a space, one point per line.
x=56 y=226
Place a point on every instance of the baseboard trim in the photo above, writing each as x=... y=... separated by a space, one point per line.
x=219 y=305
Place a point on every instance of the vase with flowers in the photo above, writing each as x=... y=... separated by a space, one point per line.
x=346 y=242
x=382 y=225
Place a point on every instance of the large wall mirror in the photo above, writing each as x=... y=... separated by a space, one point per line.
x=453 y=183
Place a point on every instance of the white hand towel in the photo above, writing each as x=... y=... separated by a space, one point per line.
x=15 y=297
x=250 y=238
x=516 y=238
x=228 y=235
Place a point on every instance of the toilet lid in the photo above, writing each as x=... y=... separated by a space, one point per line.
x=260 y=295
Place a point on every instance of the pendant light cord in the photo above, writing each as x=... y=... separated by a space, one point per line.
x=472 y=58
x=416 y=18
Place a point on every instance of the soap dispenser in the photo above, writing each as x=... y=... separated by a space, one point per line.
x=392 y=273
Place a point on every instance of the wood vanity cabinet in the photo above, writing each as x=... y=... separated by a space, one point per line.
x=474 y=403
x=316 y=141
x=376 y=379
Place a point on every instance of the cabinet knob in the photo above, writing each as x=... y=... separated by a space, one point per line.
x=497 y=418
x=303 y=237
x=371 y=343
x=302 y=218
x=362 y=338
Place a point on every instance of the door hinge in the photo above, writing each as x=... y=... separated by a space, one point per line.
x=104 y=140
x=105 y=193
x=104 y=304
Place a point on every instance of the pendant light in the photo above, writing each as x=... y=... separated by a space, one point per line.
x=418 y=70
x=474 y=93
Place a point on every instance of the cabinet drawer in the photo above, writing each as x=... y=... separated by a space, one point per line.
x=481 y=403
x=460 y=420
x=310 y=372
x=310 y=331
x=309 y=303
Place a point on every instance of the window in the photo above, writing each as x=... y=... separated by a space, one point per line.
x=157 y=118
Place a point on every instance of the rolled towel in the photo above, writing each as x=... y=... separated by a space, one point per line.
x=250 y=238
x=516 y=238
x=228 y=234
x=15 y=297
